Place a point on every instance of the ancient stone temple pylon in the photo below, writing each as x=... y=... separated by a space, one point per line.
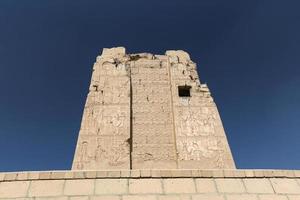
x=150 y=131
x=146 y=111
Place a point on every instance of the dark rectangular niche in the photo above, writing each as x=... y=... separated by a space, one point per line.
x=184 y=91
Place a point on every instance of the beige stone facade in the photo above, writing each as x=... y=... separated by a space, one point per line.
x=146 y=111
x=152 y=185
x=150 y=131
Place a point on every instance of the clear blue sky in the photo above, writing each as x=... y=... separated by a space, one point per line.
x=247 y=51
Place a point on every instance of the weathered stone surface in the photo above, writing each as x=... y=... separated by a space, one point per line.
x=13 y=189
x=105 y=198
x=111 y=186
x=79 y=198
x=139 y=197
x=175 y=197
x=205 y=186
x=294 y=197
x=241 y=197
x=146 y=186
x=114 y=51
x=135 y=116
x=230 y=185
x=258 y=186
x=272 y=197
x=207 y=197
x=285 y=186
x=79 y=187
x=46 y=188
x=46 y=198
x=183 y=185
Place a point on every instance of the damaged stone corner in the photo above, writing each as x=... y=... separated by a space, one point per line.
x=114 y=52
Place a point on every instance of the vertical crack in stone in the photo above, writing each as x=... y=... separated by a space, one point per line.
x=130 y=117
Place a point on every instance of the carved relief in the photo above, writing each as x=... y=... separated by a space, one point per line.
x=114 y=150
x=192 y=122
x=167 y=131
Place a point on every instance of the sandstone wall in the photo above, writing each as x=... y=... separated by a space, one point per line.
x=200 y=136
x=105 y=127
x=153 y=134
x=152 y=185
x=135 y=118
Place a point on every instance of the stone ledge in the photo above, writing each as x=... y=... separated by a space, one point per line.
x=176 y=173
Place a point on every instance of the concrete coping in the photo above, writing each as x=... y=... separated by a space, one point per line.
x=146 y=173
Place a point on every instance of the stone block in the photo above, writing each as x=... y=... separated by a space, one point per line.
x=135 y=173
x=285 y=186
x=125 y=173
x=272 y=197
x=48 y=198
x=239 y=174
x=155 y=173
x=218 y=173
x=297 y=173
x=33 y=175
x=69 y=175
x=45 y=175
x=111 y=186
x=146 y=173
x=206 y=173
x=114 y=197
x=287 y=173
x=207 y=197
x=185 y=197
x=181 y=173
x=2 y=175
x=10 y=177
x=30 y=198
x=269 y=173
x=258 y=185
x=42 y=188
x=249 y=173
x=90 y=174
x=294 y=197
x=143 y=186
x=166 y=173
x=204 y=185
x=114 y=173
x=78 y=175
x=101 y=174
x=79 y=198
x=13 y=189
x=169 y=197
x=230 y=185
x=241 y=197
x=58 y=175
x=116 y=51
x=182 y=55
x=195 y=173
x=79 y=187
x=229 y=173
x=259 y=173
x=22 y=176
x=139 y=197
x=179 y=185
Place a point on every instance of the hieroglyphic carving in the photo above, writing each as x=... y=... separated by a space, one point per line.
x=104 y=134
x=168 y=131
x=200 y=137
x=153 y=139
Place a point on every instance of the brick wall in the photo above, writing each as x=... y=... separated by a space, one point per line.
x=152 y=185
